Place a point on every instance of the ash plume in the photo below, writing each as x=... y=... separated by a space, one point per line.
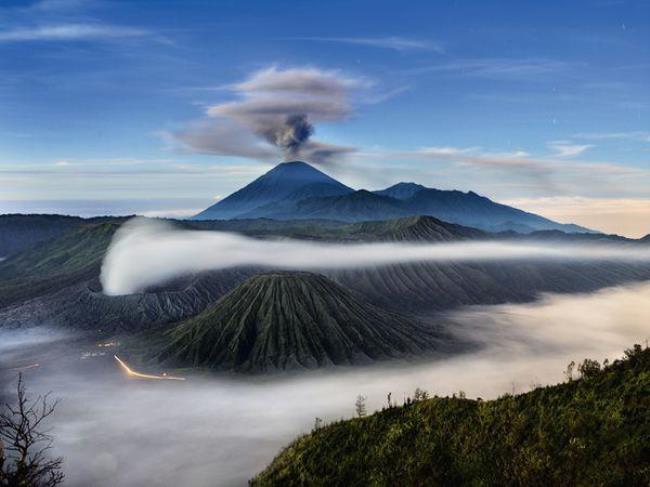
x=290 y=134
x=275 y=111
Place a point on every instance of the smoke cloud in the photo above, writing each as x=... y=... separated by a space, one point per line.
x=290 y=135
x=145 y=253
x=275 y=112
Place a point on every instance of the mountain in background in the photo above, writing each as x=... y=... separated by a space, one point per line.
x=289 y=181
x=297 y=191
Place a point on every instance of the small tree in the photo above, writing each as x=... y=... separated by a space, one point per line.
x=420 y=394
x=589 y=368
x=568 y=373
x=360 y=406
x=24 y=445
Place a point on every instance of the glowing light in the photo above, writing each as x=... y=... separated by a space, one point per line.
x=31 y=366
x=133 y=373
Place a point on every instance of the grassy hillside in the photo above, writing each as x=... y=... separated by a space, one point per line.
x=415 y=228
x=293 y=320
x=19 y=232
x=594 y=431
x=73 y=257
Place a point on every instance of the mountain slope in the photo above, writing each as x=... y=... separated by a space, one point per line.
x=287 y=181
x=591 y=431
x=293 y=320
x=49 y=266
x=413 y=229
x=357 y=206
x=295 y=190
x=477 y=211
x=19 y=232
x=401 y=191
x=56 y=282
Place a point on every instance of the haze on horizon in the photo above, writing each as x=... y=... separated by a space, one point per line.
x=112 y=108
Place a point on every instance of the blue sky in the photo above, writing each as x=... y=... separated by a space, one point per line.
x=163 y=106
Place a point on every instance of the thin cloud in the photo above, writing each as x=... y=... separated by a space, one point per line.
x=394 y=43
x=497 y=68
x=637 y=135
x=518 y=160
x=70 y=32
x=564 y=148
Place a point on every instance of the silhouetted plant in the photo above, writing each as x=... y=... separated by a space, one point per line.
x=589 y=368
x=568 y=373
x=360 y=406
x=420 y=394
x=24 y=444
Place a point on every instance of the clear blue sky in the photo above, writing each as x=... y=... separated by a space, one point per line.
x=542 y=104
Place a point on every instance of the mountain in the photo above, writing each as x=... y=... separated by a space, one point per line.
x=357 y=206
x=54 y=264
x=56 y=281
x=401 y=191
x=477 y=211
x=289 y=181
x=19 y=232
x=589 y=431
x=413 y=229
x=279 y=320
x=296 y=190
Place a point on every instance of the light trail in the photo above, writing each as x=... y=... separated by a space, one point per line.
x=133 y=373
x=25 y=367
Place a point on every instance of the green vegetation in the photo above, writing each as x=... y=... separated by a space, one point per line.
x=20 y=232
x=293 y=320
x=74 y=257
x=413 y=228
x=593 y=431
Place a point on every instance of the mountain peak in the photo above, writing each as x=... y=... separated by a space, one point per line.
x=401 y=191
x=285 y=180
x=321 y=324
x=298 y=170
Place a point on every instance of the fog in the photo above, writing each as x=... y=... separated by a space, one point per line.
x=221 y=430
x=145 y=253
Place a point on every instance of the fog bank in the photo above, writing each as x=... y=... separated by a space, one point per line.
x=145 y=253
x=215 y=431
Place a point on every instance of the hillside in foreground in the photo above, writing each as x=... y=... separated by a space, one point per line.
x=585 y=432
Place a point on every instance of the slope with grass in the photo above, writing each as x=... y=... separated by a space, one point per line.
x=591 y=431
x=52 y=265
x=279 y=320
x=20 y=232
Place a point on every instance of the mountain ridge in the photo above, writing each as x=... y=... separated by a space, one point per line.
x=296 y=190
x=588 y=431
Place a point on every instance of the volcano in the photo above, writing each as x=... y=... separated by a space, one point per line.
x=281 y=320
x=297 y=191
x=288 y=181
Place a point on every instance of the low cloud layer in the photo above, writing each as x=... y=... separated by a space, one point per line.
x=273 y=115
x=145 y=253
x=218 y=430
